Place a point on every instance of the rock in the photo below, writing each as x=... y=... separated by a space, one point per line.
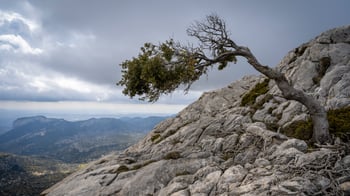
x=345 y=187
x=206 y=185
x=261 y=162
x=223 y=148
x=231 y=178
x=294 y=143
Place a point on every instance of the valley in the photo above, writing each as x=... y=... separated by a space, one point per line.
x=38 y=151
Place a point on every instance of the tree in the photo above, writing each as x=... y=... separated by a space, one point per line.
x=160 y=69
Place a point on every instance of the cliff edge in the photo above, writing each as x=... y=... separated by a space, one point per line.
x=241 y=139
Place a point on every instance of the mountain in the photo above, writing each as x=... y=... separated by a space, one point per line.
x=74 y=142
x=23 y=175
x=241 y=140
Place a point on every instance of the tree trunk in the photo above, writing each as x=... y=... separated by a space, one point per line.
x=317 y=111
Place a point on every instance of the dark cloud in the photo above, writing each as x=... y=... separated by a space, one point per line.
x=83 y=41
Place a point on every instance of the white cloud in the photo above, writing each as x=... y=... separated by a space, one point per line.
x=30 y=81
x=64 y=87
x=17 y=44
x=11 y=17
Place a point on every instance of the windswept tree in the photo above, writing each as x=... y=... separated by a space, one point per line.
x=160 y=69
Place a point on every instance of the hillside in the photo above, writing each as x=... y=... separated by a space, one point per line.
x=74 y=142
x=23 y=175
x=241 y=139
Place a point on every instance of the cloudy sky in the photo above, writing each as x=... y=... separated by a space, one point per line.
x=64 y=54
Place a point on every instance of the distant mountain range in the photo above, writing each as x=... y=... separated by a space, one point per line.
x=74 y=142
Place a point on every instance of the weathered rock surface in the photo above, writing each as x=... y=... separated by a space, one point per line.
x=217 y=147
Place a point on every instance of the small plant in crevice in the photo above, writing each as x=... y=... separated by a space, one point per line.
x=259 y=89
x=272 y=126
x=175 y=141
x=155 y=137
x=321 y=68
x=172 y=155
x=259 y=104
x=121 y=169
x=141 y=165
x=182 y=173
x=227 y=155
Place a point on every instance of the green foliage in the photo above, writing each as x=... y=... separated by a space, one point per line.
x=259 y=89
x=158 y=70
x=172 y=155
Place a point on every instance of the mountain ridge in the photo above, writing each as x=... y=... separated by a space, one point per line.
x=73 y=141
x=219 y=145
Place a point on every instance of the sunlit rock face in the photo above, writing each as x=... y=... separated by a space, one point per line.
x=217 y=146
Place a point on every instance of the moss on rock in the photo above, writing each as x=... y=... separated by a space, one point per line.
x=299 y=129
x=339 y=122
x=339 y=125
x=259 y=89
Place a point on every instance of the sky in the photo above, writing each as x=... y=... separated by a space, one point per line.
x=65 y=55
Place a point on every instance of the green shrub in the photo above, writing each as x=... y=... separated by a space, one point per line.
x=155 y=137
x=259 y=89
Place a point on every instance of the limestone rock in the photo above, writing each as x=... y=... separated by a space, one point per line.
x=217 y=147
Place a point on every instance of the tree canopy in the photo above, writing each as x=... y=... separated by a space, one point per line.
x=160 y=69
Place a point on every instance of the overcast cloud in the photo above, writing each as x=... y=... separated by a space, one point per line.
x=67 y=50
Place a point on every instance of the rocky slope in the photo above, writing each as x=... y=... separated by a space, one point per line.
x=229 y=142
